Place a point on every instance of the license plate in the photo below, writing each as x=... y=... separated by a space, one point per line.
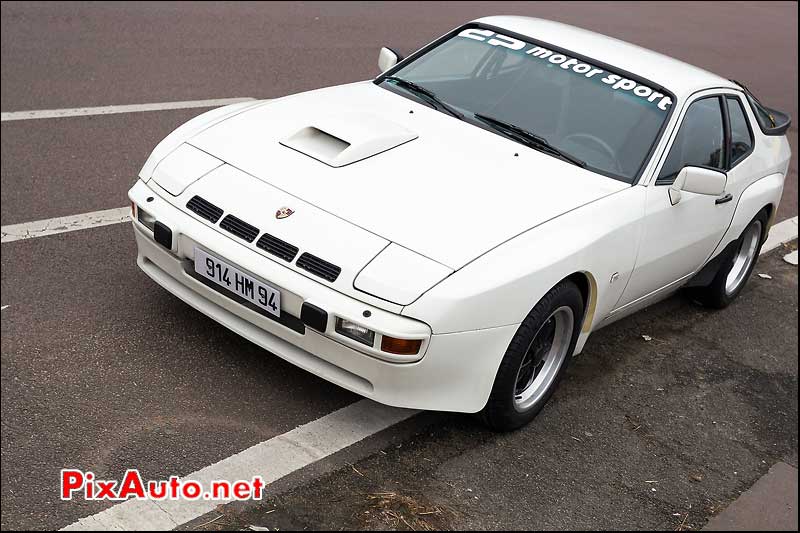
x=237 y=282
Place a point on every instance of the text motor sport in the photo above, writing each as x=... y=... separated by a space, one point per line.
x=614 y=81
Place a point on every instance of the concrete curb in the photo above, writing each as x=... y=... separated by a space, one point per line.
x=769 y=505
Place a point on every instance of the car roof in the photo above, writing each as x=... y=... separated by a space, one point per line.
x=681 y=78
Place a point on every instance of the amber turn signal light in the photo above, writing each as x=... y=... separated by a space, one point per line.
x=400 y=346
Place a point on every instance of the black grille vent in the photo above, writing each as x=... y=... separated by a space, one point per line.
x=204 y=208
x=277 y=247
x=319 y=267
x=239 y=227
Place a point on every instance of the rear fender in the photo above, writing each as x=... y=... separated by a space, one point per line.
x=764 y=192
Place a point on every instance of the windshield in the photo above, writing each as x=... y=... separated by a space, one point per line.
x=601 y=118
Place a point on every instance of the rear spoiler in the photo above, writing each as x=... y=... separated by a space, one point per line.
x=770 y=121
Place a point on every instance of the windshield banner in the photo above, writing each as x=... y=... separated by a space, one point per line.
x=614 y=81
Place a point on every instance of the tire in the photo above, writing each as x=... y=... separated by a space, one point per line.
x=736 y=269
x=545 y=341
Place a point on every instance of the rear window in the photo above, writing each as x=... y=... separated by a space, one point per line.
x=770 y=121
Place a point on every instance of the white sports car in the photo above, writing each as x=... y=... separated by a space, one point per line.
x=447 y=235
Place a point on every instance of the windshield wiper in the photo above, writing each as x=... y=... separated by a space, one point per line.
x=528 y=138
x=427 y=94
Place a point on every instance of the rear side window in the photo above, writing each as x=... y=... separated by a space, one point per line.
x=741 y=137
x=700 y=141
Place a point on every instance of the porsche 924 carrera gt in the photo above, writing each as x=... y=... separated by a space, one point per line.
x=447 y=235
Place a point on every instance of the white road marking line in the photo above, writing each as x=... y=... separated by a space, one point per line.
x=52 y=226
x=114 y=109
x=781 y=233
x=271 y=459
x=3 y=308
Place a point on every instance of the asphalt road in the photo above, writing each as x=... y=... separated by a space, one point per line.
x=103 y=370
x=658 y=434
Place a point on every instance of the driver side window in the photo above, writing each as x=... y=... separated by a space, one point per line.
x=700 y=141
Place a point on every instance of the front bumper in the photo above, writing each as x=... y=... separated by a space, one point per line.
x=455 y=373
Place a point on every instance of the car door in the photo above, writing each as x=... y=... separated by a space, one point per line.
x=678 y=239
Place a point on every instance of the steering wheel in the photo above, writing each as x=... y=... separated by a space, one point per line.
x=604 y=146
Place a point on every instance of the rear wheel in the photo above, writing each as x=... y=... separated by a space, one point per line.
x=736 y=269
x=536 y=359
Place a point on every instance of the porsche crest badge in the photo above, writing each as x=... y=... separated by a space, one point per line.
x=283 y=212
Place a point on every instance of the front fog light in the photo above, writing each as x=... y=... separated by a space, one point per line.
x=145 y=218
x=355 y=331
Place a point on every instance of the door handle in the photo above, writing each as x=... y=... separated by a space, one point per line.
x=723 y=199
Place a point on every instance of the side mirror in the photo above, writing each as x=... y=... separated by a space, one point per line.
x=699 y=181
x=387 y=59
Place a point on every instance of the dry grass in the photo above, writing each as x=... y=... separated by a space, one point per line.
x=390 y=510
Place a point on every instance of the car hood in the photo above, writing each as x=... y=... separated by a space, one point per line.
x=444 y=188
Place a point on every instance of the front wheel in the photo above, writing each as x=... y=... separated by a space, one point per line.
x=735 y=270
x=536 y=359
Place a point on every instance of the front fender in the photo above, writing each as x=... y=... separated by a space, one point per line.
x=503 y=285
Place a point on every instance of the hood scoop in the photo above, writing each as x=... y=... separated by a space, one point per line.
x=338 y=140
